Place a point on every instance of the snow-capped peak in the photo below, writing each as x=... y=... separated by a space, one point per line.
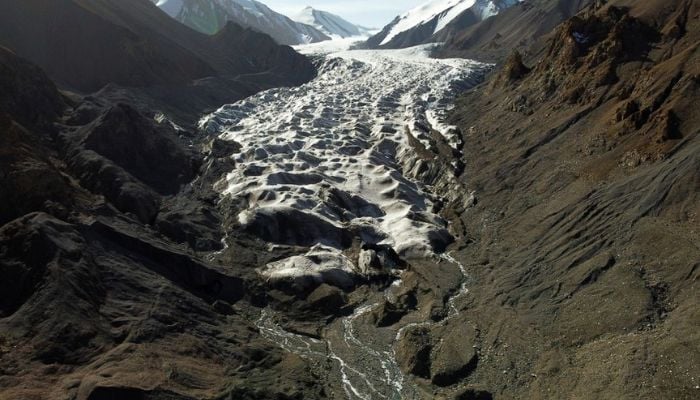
x=330 y=24
x=444 y=12
x=209 y=16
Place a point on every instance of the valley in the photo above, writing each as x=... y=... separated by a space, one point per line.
x=244 y=200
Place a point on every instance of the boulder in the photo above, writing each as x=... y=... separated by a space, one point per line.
x=327 y=299
x=413 y=351
x=454 y=357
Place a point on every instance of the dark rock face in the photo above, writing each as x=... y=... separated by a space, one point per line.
x=132 y=52
x=130 y=159
x=327 y=299
x=28 y=94
x=29 y=181
x=78 y=47
x=454 y=357
x=112 y=393
x=513 y=70
x=146 y=150
x=413 y=352
x=474 y=394
x=293 y=227
x=24 y=266
x=190 y=222
x=126 y=193
x=29 y=178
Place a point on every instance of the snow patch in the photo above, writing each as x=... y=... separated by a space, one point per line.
x=171 y=7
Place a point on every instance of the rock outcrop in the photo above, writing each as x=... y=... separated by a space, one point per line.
x=445 y=354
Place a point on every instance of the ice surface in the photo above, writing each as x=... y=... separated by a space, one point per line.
x=329 y=46
x=326 y=163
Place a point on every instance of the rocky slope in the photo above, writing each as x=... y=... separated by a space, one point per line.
x=210 y=16
x=138 y=261
x=100 y=219
x=582 y=245
x=521 y=27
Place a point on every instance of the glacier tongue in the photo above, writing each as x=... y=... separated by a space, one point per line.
x=327 y=164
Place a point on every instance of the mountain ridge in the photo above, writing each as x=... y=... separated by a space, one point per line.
x=423 y=23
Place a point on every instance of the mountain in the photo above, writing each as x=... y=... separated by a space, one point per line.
x=210 y=16
x=130 y=50
x=92 y=228
x=330 y=24
x=423 y=23
x=86 y=44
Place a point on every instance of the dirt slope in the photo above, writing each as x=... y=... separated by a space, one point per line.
x=583 y=243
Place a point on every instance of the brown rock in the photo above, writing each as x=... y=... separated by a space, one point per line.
x=413 y=351
x=454 y=356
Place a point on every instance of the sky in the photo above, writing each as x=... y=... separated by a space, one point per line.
x=368 y=13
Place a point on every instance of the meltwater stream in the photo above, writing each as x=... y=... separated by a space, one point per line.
x=331 y=163
x=367 y=372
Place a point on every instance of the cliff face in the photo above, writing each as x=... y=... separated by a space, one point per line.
x=584 y=234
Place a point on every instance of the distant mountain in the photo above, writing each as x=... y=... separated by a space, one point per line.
x=330 y=24
x=423 y=23
x=209 y=16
